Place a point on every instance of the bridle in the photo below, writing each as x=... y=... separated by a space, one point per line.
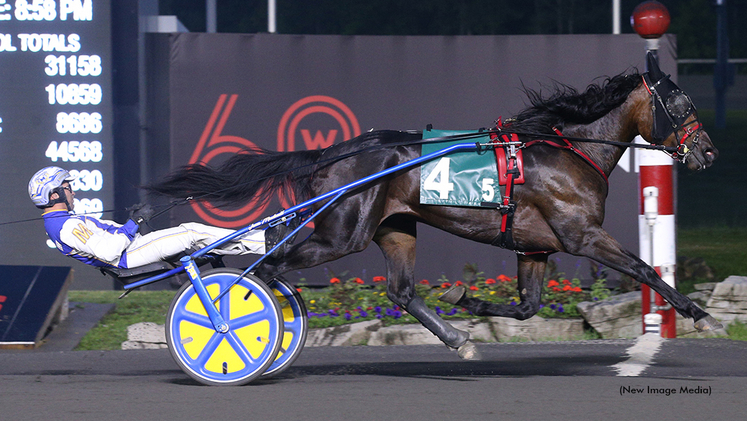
x=671 y=107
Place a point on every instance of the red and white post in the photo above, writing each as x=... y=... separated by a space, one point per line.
x=656 y=224
x=656 y=220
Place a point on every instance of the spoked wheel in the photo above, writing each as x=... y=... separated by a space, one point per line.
x=246 y=350
x=296 y=325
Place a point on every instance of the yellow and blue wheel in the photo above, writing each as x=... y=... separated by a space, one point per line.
x=248 y=348
x=295 y=325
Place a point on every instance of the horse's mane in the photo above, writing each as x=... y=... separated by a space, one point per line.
x=566 y=105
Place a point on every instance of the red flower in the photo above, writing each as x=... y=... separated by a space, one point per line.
x=556 y=289
x=567 y=288
x=425 y=282
x=566 y=282
x=446 y=285
x=552 y=283
x=474 y=288
x=458 y=283
x=359 y=281
x=576 y=289
x=490 y=281
x=298 y=289
x=334 y=281
x=504 y=278
x=379 y=279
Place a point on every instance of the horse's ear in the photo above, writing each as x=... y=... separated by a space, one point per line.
x=654 y=73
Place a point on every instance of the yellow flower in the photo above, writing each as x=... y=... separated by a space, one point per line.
x=312 y=301
x=492 y=292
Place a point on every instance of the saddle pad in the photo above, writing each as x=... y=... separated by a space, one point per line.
x=463 y=178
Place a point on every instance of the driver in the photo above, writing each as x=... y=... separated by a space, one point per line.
x=103 y=243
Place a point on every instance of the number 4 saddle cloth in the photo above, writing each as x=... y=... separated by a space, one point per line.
x=468 y=178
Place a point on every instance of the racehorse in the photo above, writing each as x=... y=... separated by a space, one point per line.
x=559 y=208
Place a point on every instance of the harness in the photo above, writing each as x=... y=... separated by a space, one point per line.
x=510 y=165
x=509 y=158
x=671 y=107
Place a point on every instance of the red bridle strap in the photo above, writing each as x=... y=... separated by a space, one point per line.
x=689 y=131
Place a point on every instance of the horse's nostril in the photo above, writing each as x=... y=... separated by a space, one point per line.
x=711 y=154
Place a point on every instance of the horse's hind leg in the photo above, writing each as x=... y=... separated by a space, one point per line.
x=396 y=238
x=531 y=273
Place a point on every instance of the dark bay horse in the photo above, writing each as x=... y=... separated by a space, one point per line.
x=560 y=207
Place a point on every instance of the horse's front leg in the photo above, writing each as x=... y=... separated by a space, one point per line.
x=396 y=238
x=531 y=273
x=600 y=246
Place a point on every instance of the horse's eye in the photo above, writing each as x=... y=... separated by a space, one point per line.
x=679 y=104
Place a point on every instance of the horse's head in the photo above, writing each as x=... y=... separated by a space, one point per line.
x=674 y=120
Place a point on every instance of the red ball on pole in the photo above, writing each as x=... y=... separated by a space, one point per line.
x=650 y=19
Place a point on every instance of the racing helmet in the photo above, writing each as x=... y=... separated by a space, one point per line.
x=45 y=182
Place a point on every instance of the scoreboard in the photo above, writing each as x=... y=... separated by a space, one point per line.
x=55 y=109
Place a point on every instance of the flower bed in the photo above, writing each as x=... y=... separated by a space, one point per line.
x=353 y=301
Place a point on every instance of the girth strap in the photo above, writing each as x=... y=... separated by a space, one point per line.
x=508 y=207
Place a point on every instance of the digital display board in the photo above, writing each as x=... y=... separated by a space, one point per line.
x=55 y=109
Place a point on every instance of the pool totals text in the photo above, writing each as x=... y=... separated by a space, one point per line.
x=55 y=99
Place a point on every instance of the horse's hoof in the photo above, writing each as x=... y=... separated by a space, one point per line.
x=468 y=352
x=453 y=294
x=708 y=324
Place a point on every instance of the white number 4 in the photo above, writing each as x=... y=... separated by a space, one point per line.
x=440 y=171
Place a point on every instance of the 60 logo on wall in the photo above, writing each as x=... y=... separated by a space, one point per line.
x=328 y=118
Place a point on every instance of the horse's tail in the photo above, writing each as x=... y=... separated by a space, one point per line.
x=243 y=177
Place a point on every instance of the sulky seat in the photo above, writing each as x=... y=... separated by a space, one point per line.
x=130 y=275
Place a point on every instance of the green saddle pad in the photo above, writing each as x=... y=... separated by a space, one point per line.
x=465 y=178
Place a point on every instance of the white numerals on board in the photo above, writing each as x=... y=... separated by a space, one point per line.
x=82 y=65
x=89 y=207
x=85 y=180
x=74 y=151
x=79 y=123
x=74 y=94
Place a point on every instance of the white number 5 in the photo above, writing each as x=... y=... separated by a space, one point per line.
x=488 y=191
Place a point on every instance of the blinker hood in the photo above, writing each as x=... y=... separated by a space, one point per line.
x=670 y=104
